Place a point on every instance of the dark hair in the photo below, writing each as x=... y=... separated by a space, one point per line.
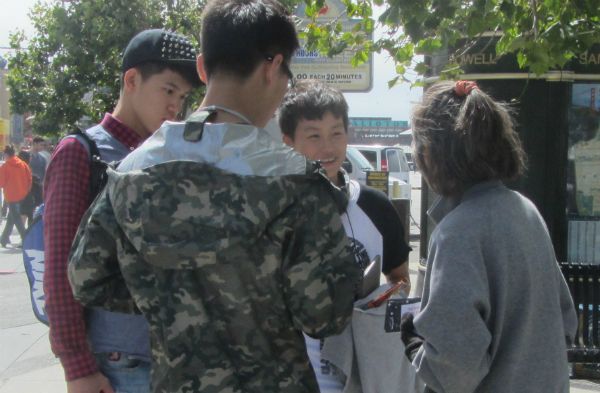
x=24 y=155
x=38 y=139
x=9 y=150
x=467 y=139
x=238 y=34
x=310 y=100
x=151 y=68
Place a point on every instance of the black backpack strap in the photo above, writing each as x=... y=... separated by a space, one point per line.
x=194 y=125
x=93 y=148
x=98 y=176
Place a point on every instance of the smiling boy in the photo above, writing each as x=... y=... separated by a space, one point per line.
x=314 y=121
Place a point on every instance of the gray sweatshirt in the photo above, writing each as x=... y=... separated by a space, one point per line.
x=496 y=308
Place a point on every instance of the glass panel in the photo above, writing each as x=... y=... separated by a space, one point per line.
x=356 y=156
x=393 y=160
x=583 y=174
x=397 y=160
x=371 y=156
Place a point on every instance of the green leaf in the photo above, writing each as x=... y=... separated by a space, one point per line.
x=311 y=11
x=404 y=53
x=369 y=25
x=522 y=59
x=360 y=57
x=428 y=45
x=338 y=27
x=421 y=68
x=418 y=83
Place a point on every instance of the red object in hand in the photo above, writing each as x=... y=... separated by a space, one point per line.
x=385 y=296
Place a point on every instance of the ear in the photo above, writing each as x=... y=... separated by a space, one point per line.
x=288 y=141
x=200 y=68
x=272 y=68
x=129 y=80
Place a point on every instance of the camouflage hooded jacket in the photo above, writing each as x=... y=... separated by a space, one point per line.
x=227 y=269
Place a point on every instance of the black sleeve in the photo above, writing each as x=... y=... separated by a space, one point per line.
x=380 y=210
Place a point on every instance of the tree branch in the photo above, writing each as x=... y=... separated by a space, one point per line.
x=535 y=18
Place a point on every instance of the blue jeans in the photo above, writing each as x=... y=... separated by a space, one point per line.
x=12 y=219
x=128 y=374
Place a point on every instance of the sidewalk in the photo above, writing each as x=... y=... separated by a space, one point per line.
x=27 y=364
x=26 y=361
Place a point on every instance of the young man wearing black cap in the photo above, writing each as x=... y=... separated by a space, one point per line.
x=100 y=350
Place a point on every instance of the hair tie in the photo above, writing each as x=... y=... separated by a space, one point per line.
x=464 y=88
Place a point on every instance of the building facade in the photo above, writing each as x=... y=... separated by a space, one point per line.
x=378 y=131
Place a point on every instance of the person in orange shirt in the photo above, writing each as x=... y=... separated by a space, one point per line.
x=15 y=180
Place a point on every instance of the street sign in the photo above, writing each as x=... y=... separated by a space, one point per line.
x=379 y=180
x=16 y=128
x=336 y=71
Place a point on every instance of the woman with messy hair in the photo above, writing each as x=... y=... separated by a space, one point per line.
x=496 y=309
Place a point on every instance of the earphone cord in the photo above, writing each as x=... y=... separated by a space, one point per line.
x=230 y=111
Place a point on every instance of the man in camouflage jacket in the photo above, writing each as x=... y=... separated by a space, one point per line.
x=227 y=269
x=224 y=238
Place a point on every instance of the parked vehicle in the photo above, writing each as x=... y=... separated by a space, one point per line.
x=357 y=165
x=410 y=160
x=387 y=158
x=408 y=153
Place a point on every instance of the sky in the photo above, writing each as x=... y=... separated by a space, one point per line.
x=382 y=101
x=14 y=17
x=379 y=102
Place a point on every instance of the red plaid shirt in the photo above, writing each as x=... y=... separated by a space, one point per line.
x=66 y=198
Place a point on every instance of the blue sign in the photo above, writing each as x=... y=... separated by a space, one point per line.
x=377 y=122
x=16 y=122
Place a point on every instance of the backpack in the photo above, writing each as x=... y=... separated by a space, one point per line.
x=33 y=241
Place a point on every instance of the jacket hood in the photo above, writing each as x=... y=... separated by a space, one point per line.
x=237 y=148
x=161 y=208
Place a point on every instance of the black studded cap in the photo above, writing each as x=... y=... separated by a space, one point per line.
x=161 y=46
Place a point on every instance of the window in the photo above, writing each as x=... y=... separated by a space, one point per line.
x=358 y=158
x=393 y=160
x=583 y=174
x=371 y=156
x=396 y=160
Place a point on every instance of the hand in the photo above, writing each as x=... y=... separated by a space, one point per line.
x=412 y=341
x=95 y=383
x=400 y=274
